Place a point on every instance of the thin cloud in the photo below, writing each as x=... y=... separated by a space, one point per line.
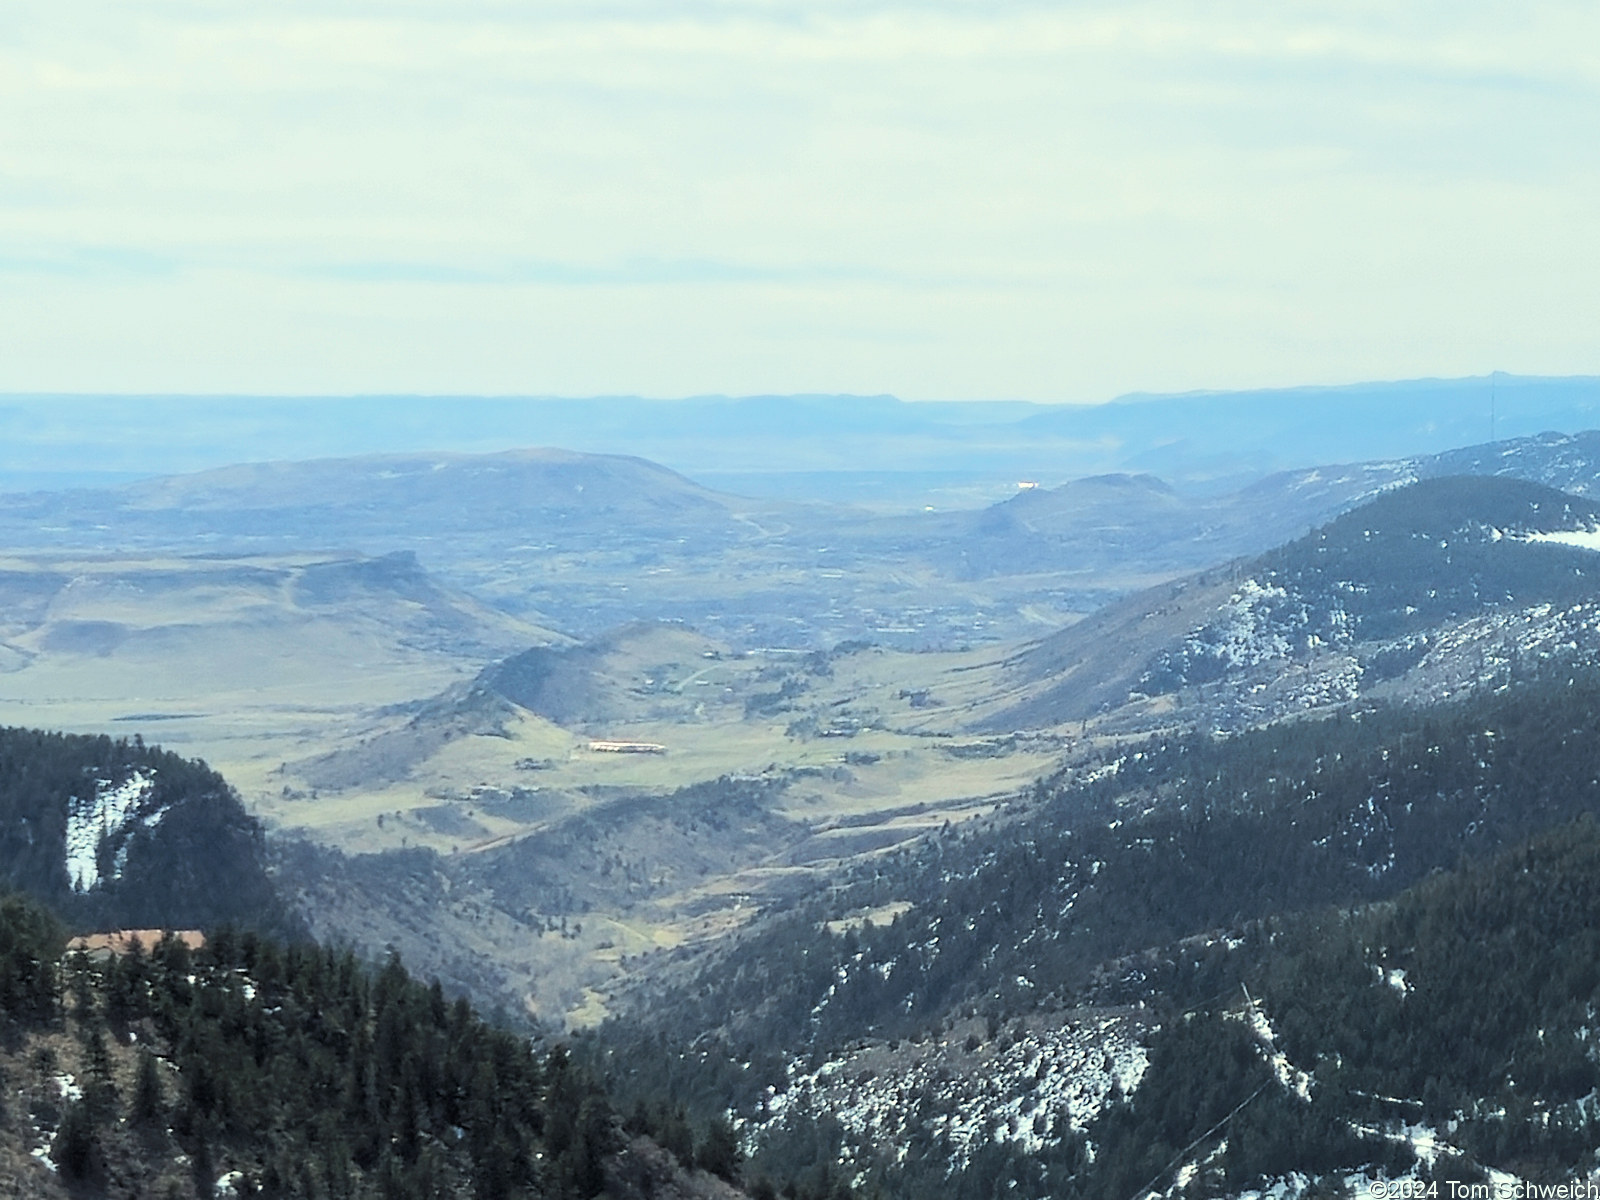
x=1092 y=197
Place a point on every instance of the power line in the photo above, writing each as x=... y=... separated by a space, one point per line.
x=1182 y=1154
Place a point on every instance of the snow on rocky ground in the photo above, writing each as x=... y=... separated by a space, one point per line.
x=1481 y=649
x=1457 y=658
x=91 y=820
x=44 y=1133
x=1030 y=1084
x=1249 y=628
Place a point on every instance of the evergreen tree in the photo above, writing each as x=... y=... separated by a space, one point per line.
x=718 y=1151
x=148 y=1099
x=76 y=1149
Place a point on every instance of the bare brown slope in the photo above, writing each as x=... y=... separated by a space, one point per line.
x=1092 y=667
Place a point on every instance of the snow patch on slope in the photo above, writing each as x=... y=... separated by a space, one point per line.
x=91 y=820
x=1583 y=539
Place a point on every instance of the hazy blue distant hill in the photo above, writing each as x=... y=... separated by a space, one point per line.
x=382 y=499
x=795 y=446
x=1233 y=433
x=588 y=542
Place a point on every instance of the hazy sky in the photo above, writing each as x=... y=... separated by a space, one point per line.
x=1044 y=201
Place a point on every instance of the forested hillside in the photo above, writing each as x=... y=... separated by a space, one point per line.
x=254 y=1068
x=1423 y=591
x=1442 y=548
x=1150 y=879
x=113 y=833
x=1167 y=837
x=1449 y=1032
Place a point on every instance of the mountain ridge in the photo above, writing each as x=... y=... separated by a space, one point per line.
x=1421 y=557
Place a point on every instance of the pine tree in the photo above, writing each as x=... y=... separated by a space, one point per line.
x=148 y=1100
x=100 y=1094
x=76 y=1149
x=719 y=1152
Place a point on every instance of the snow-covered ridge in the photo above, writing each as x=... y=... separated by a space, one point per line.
x=91 y=820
